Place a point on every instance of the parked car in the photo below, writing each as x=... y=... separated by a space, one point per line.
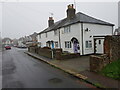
x=7 y=47
x=22 y=46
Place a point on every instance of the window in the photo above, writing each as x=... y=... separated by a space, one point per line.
x=39 y=35
x=67 y=29
x=99 y=41
x=67 y=44
x=56 y=32
x=46 y=35
x=56 y=44
x=88 y=44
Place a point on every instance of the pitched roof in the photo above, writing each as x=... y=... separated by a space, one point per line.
x=79 y=17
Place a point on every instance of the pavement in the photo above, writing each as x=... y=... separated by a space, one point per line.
x=22 y=71
x=79 y=67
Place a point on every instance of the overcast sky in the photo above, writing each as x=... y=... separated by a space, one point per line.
x=24 y=18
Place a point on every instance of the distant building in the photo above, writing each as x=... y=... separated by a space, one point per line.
x=77 y=33
x=15 y=42
x=7 y=41
x=117 y=31
x=31 y=39
x=21 y=42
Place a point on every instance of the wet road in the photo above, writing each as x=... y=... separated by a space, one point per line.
x=22 y=71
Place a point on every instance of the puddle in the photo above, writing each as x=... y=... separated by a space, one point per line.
x=55 y=80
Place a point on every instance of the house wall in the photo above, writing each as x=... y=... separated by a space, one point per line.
x=7 y=42
x=75 y=31
x=20 y=43
x=94 y=30
x=50 y=37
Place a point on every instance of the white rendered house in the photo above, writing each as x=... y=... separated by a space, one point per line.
x=77 y=33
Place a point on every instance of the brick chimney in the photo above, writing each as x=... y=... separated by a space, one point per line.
x=50 y=21
x=70 y=11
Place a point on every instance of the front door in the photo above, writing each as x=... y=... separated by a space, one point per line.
x=75 y=47
x=98 y=46
x=52 y=45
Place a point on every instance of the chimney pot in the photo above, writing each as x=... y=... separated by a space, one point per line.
x=50 y=18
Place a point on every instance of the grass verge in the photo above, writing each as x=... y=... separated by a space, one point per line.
x=112 y=70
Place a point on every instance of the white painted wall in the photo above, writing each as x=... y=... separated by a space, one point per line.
x=7 y=42
x=20 y=43
x=50 y=36
x=94 y=30
x=74 y=32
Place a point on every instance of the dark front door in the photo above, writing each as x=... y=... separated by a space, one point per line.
x=75 y=47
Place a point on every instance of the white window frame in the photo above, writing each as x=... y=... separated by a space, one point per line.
x=68 y=44
x=56 y=32
x=88 y=44
x=67 y=29
x=56 y=44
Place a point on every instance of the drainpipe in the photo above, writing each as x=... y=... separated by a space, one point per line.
x=52 y=54
x=82 y=38
x=59 y=39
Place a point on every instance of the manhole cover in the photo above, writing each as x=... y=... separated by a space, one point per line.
x=55 y=80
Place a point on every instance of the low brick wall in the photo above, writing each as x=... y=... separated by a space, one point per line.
x=60 y=56
x=45 y=52
x=40 y=51
x=32 y=49
x=57 y=53
x=97 y=62
x=111 y=53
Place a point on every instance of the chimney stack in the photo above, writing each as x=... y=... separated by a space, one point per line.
x=70 y=11
x=50 y=21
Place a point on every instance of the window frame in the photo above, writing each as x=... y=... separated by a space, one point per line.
x=88 y=44
x=67 y=29
x=68 y=44
x=56 y=32
x=56 y=44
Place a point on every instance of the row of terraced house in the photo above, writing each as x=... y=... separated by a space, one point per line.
x=77 y=33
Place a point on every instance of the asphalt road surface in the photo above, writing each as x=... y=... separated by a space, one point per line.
x=22 y=71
